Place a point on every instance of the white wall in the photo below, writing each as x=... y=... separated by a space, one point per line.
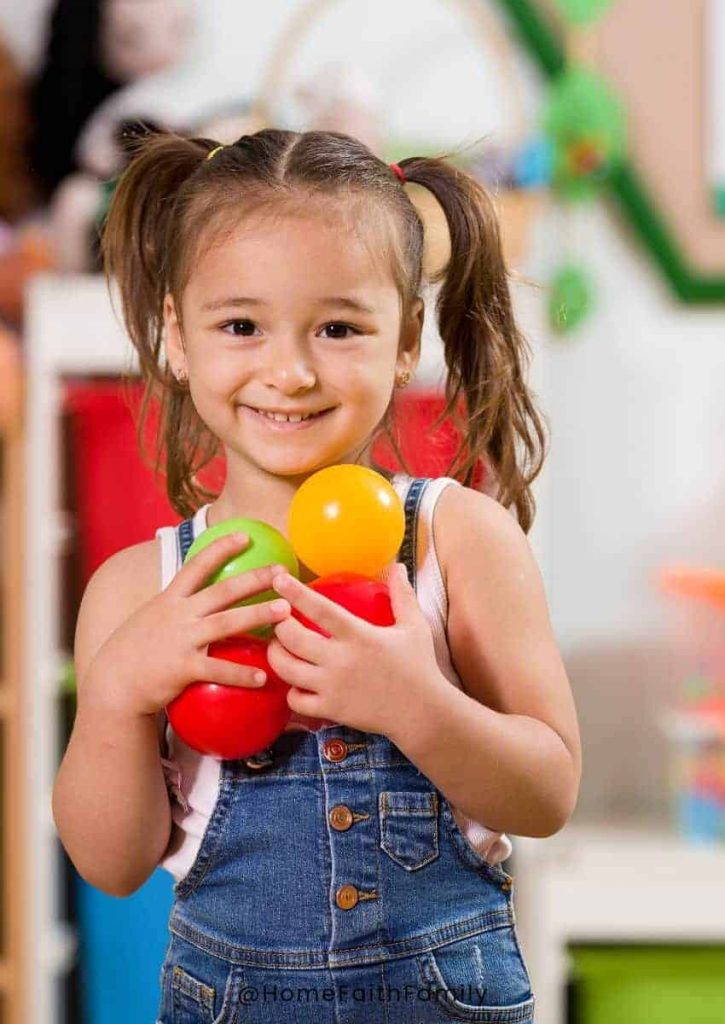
x=636 y=479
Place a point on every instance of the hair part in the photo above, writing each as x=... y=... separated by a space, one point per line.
x=171 y=202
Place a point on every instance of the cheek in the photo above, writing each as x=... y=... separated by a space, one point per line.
x=373 y=390
x=216 y=374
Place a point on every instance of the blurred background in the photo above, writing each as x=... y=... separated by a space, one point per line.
x=599 y=126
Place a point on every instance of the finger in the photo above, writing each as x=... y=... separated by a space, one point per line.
x=241 y=620
x=225 y=593
x=193 y=575
x=332 y=617
x=301 y=641
x=227 y=673
x=304 y=703
x=293 y=670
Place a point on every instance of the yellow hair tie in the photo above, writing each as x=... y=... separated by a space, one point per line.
x=213 y=152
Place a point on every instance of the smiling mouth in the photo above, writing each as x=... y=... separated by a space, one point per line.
x=286 y=420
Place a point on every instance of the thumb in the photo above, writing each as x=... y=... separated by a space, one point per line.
x=402 y=596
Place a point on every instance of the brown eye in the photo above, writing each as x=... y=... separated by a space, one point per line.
x=239 y=328
x=340 y=327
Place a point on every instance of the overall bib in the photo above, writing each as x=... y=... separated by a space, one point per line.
x=334 y=886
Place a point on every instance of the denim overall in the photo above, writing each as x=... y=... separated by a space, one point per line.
x=334 y=886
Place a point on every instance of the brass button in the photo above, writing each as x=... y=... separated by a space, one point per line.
x=335 y=750
x=346 y=897
x=341 y=817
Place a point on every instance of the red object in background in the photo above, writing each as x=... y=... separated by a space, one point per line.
x=116 y=499
x=118 y=502
x=367 y=598
x=427 y=452
x=232 y=721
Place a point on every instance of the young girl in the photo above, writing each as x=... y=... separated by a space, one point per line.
x=351 y=872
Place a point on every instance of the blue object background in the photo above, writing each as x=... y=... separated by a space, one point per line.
x=122 y=944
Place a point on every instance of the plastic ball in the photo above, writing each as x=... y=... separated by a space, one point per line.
x=367 y=598
x=232 y=721
x=346 y=518
x=267 y=546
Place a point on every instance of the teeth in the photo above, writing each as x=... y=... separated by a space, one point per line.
x=280 y=417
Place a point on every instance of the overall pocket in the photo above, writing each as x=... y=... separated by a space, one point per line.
x=470 y=856
x=192 y=999
x=197 y=989
x=409 y=827
x=480 y=978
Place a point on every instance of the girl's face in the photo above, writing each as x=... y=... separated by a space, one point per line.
x=291 y=315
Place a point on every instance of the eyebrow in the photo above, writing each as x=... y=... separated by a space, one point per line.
x=339 y=301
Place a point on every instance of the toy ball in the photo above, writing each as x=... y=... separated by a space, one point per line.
x=368 y=599
x=232 y=721
x=266 y=546
x=346 y=518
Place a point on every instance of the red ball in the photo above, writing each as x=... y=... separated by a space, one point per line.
x=367 y=598
x=232 y=721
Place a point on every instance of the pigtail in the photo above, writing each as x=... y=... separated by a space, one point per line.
x=137 y=240
x=485 y=353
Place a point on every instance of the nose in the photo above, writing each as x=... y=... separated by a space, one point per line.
x=289 y=368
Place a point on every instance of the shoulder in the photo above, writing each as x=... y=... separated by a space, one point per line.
x=121 y=584
x=472 y=529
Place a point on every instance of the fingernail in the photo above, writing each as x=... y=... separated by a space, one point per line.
x=279 y=606
x=282 y=580
x=240 y=538
x=260 y=678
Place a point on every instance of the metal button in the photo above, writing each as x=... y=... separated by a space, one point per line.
x=335 y=750
x=341 y=817
x=262 y=759
x=346 y=897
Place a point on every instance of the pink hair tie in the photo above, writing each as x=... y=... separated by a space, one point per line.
x=398 y=170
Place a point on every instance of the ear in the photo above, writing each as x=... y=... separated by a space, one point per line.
x=410 y=338
x=173 y=337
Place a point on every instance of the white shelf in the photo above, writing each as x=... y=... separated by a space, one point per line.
x=72 y=330
x=625 y=883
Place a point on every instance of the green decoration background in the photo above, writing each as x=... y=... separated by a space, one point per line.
x=584 y=111
x=570 y=300
x=583 y=12
x=630 y=191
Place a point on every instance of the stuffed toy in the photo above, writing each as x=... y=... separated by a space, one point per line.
x=95 y=47
x=97 y=51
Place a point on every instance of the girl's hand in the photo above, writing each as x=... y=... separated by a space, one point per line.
x=161 y=647
x=364 y=676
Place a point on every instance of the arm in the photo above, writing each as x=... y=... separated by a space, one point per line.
x=110 y=801
x=507 y=750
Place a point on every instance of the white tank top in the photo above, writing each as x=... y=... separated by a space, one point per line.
x=193 y=778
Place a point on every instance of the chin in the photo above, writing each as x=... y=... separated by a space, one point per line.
x=293 y=467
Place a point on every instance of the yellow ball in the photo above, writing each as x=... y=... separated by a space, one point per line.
x=346 y=518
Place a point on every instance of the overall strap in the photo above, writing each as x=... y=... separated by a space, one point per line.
x=185 y=531
x=412 y=505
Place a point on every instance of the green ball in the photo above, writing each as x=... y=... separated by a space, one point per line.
x=266 y=546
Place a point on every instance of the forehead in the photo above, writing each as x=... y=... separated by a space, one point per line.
x=298 y=254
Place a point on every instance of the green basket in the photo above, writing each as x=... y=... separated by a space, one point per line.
x=649 y=984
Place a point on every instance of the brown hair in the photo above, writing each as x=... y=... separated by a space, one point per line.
x=171 y=196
